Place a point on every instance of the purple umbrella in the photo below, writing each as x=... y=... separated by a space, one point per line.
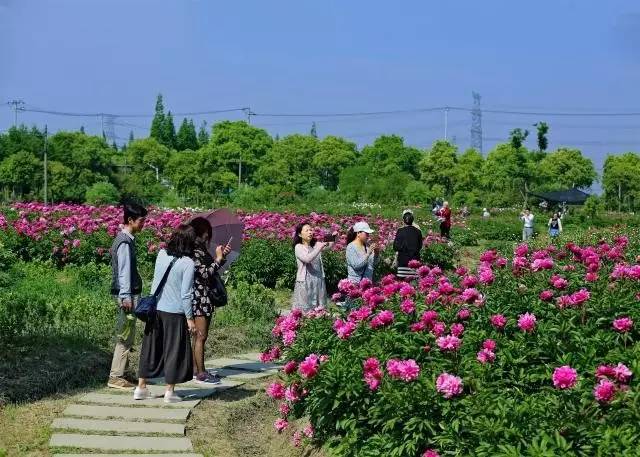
x=226 y=226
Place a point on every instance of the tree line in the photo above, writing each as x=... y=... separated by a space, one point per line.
x=238 y=162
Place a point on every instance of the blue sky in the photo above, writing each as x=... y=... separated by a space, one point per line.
x=330 y=57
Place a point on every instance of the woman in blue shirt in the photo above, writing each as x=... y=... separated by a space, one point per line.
x=166 y=346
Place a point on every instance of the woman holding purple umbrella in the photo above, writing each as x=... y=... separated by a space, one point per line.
x=203 y=305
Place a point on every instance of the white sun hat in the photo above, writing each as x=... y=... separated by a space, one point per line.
x=362 y=227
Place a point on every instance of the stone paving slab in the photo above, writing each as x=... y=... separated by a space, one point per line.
x=241 y=375
x=118 y=426
x=129 y=455
x=127 y=400
x=253 y=356
x=241 y=364
x=119 y=443
x=191 y=390
x=126 y=413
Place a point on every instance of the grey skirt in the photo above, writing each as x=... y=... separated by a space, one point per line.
x=309 y=294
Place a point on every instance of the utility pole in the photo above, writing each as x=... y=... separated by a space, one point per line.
x=247 y=111
x=18 y=105
x=446 y=121
x=46 y=132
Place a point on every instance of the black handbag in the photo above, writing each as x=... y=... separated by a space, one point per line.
x=145 y=310
x=217 y=291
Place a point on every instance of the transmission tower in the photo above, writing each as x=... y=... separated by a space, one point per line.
x=18 y=105
x=476 y=123
x=108 y=128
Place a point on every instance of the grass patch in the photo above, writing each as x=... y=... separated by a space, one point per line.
x=239 y=423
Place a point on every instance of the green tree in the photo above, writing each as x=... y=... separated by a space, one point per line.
x=389 y=154
x=169 y=132
x=517 y=137
x=82 y=129
x=289 y=164
x=102 y=193
x=542 y=130
x=334 y=155
x=131 y=137
x=621 y=180
x=203 y=135
x=60 y=182
x=438 y=166
x=187 y=137
x=508 y=173
x=234 y=141
x=158 y=123
x=22 y=173
x=566 y=168
x=468 y=171
x=21 y=139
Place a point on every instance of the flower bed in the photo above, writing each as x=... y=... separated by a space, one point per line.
x=532 y=355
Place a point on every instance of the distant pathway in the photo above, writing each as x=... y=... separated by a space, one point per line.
x=111 y=421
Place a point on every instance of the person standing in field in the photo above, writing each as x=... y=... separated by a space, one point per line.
x=310 y=290
x=203 y=305
x=555 y=226
x=126 y=286
x=407 y=244
x=361 y=255
x=166 y=346
x=444 y=216
x=527 y=219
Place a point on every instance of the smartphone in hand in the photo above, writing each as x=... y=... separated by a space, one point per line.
x=330 y=238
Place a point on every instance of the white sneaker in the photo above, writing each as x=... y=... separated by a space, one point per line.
x=172 y=397
x=142 y=394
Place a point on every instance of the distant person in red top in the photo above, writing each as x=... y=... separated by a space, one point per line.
x=445 y=220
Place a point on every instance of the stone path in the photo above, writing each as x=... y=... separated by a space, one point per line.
x=111 y=421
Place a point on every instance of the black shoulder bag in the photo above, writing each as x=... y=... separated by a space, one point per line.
x=145 y=310
x=217 y=291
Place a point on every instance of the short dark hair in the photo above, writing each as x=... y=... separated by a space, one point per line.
x=133 y=211
x=407 y=218
x=202 y=227
x=182 y=241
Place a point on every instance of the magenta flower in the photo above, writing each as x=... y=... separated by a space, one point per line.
x=382 y=319
x=546 y=295
x=489 y=344
x=522 y=250
x=485 y=356
x=407 y=306
x=275 y=390
x=291 y=393
x=498 y=321
x=564 y=377
x=430 y=453
x=438 y=328
x=309 y=367
x=308 y=431
x=372 y=373
x=580 y=296
x=542 y=264
x=527 y=322
x=591 y=277
x=605 y=391
x=623 y=324
x=457 y=329
x=448 y=343
x=622 y=373
x=284 y=409
x=344 y=329
x=485 y=276
x=280 y=424
x=469 y=281
x=464 y=314
x=414 y=264
x=290 y=366
x=449 y=385
x=405 y=370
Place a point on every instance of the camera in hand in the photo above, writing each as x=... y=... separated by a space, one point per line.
x=330 y=238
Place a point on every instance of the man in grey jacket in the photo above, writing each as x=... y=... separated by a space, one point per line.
x=126 y=286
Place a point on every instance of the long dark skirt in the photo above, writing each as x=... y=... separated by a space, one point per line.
x=166 y=349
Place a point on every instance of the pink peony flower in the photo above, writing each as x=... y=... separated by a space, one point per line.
x=622 y=373
x=405 y=370
x=464 y=314
x=580 y=296
x=382 y=318
x=280 y=424
x=527 y=322
x=296 y=439
x=449 y=385
x=498 y=321
x=542 y=264
x=407 y=306
x=522 y=250
x=430 y=453
x=372 y=373
x=623 y=324
x=308 y=431
x=486 y=356
x=546 y=295
x=489 y=344
x=469 y=281
x=309 y=367
x=457 y=329
x=288 y=337
x=337 y=297
x=414 y=264
x=291 y=393
x=438 y=328
x=290 y=366
x=275 y=390
x=564 y=377
x=284 y=409
x=604 y=391
x=448 y=343
x=485 y=276
x=344 y=329
x=591 y=277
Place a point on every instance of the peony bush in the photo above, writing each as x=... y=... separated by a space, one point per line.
x=535 y=354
